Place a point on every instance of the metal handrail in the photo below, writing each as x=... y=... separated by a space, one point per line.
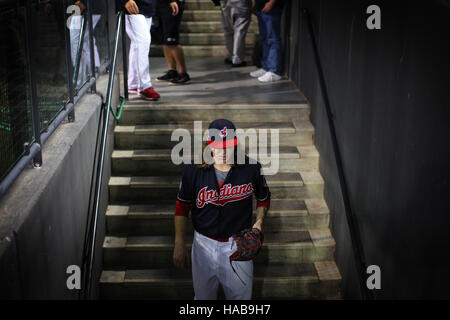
x=352 y=222
x=34 y=149
x=97 y=173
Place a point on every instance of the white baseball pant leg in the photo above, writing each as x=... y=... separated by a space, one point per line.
x=138 y=30
x=211 y=266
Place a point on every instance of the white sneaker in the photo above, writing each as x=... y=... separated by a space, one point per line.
x=258 y=73
x=269 y=77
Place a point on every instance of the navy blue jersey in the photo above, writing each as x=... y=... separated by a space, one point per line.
x=221 y=212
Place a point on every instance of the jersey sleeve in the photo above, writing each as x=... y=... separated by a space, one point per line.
x=262 y=192
x=184 y=196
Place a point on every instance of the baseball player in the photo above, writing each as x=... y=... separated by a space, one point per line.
x=219 y=197
x=138 y=23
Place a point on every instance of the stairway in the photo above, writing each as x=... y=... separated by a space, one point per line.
x=201 y=33
x=296 y=261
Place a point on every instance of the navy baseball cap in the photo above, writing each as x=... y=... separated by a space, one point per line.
x=222 y=134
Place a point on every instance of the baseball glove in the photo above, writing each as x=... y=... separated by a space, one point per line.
x=248 y=244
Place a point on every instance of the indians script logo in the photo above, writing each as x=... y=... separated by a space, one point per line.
x=227 y=194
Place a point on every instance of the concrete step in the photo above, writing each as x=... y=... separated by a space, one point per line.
x=212 y=39
x=159 y=135
x=158 y=219
x=319 y=280
x=210 y=27
x=202 y=51
x=158 y=161
x=137 y=112
x=200 y=5
x=145 y=189
x=203 y=15
x=298 y=246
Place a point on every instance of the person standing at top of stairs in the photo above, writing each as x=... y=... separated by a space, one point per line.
x=170 y=13
x=236 y=18
x=269 y=21
x=139 y=15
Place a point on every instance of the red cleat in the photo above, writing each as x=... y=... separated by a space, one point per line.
x=149 y=94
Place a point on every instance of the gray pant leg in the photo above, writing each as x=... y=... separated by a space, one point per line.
x=236 y=18
x=241 y=24
x=227 y=24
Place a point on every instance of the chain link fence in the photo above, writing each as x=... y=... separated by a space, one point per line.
x=41 y=47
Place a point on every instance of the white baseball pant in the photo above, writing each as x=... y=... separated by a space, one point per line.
x=85 y=61
x=211 y=266
x=138 y=30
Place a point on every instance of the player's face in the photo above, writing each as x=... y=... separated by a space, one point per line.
x=223 y=156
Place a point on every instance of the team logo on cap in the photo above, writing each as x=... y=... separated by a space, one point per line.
x=223 y=132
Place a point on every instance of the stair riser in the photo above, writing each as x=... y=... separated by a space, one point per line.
x=145 y=195
x=210 y=27
x=262 y=289
x=127 y=166
x=202 y=51
x=212 y=39
x=200 y=5
x=142 y=116
x=124 y=226
x=130 y=258
x=210 y=15
x=128 y=141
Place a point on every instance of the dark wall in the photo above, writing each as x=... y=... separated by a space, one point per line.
x=43 y=215
x=388 y=90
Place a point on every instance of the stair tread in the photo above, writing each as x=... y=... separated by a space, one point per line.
x=277 y=207
x=280 y=179
x=310 y=237
x=300 y=271
x=161 y=105
x=284 y=152
x=284 y=127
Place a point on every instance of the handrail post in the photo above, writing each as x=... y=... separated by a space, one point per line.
x=37 y=160
x=69 y=65
x=355 y=236
x=91 y=42
x=108 y=44
x=79 y=51
x=124 y=56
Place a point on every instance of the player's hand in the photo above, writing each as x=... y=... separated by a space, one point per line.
x=180 y=256
x=268 y=6
x=132 y=7
x=258 y=225
x=81 y=5
x=174 y=7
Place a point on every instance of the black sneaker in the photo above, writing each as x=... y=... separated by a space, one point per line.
x=182 y=78
x=228 y=61
x=168 y=76
x=237 y=65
